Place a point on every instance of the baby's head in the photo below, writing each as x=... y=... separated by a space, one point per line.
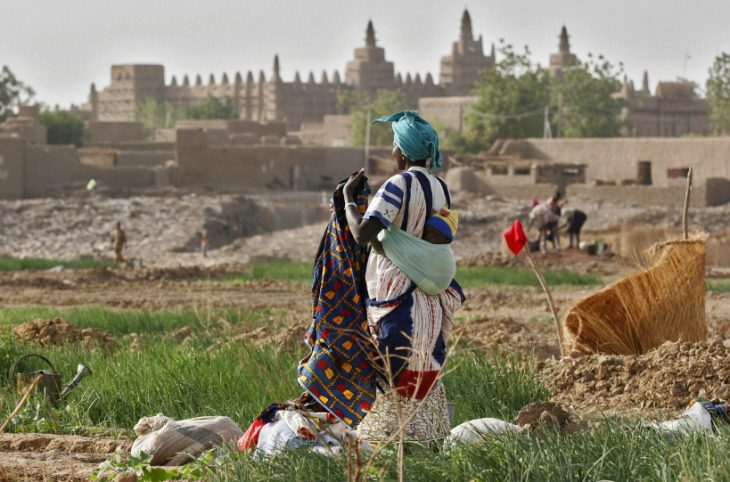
x=441 y=227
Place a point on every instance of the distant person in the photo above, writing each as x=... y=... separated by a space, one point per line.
x=556 y=201
x=204 y=242
x=119 y=240
x=574 y=220
x=547 y=224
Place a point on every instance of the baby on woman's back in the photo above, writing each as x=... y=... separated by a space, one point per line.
x=441 y=226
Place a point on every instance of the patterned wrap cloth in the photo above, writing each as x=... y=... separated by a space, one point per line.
x=338 y=373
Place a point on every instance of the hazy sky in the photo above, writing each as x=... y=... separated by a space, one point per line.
x=60 y=46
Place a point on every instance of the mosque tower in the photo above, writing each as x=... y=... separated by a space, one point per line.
x=461 y=70
x=369 y=70
x=559 y=61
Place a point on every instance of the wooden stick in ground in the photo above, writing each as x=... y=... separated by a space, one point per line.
x=686 y=204
x=21 y=403
x=550 y=301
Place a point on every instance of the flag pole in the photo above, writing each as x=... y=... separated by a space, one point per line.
x=550 y=301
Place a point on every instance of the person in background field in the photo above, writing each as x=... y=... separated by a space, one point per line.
x=119 y=240
x=574 y=220
x=204 y=242
x=547 y=223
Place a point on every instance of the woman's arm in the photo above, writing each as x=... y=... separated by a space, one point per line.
x=363 y=230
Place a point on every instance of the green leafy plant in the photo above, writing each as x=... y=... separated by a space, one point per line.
x=141 y=468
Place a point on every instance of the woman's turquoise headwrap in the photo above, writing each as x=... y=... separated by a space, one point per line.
x=415 y=136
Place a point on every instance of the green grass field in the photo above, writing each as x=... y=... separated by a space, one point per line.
x=124 y=321
x=40 y=264
x=719 y=286
x=466 y=276
x=216 y=375
x=238 y=380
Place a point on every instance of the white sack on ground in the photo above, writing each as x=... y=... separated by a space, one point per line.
x=695 y=419
x=177 y=442
x=473 y=431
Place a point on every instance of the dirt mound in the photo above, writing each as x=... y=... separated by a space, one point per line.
x=545 y=416
x=664 y=379
x=53 y=457
x=509 y=336
x=59 y=332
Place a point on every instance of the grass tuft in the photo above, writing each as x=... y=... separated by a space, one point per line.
x=125 y=321
x=466 y=276
x=41 y=264
x=495 y=275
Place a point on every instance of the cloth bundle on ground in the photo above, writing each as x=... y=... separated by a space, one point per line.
x=288 y=427
x=177 y=442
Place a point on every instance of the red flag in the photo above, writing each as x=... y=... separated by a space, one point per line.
x=515 y=237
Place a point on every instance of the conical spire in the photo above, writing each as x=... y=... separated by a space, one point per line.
x=398 y=78
x=429 y=79
x=408 y=79
x=92 y=90
x=564 y=42
x=276 y=66
x=224 y=80
x=336 y=77
x=198 y=80
x=370 y=35
x=297 y=78
x=311 y=78
x=645 y=84
x=417 y=80
x=262 y=77
x=211 y=79
x=238 y=79
x=325 y=79
x=466 y=32
x=492 y=54
x=173 y=82
x=249 y=77
x=186 y=80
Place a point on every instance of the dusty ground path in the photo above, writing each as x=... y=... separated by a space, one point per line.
x=513 y=319
x=45 y=457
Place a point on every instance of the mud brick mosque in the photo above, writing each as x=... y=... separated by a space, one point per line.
x=674 y=109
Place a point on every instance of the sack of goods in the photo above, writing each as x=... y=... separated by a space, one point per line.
x=176 y=442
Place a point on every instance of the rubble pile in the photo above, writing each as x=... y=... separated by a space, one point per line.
x=665 y=379
x=164 y=229
x=59 y=332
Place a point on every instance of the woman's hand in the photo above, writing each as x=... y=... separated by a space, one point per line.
x=352 y=182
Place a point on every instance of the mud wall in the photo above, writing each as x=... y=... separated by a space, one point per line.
x=661 y=196
x=144 y=158
x=49 y=168
x=104 y=133
x=617 y=159
x=260 y=167
x=521 y=191
x=11 y=167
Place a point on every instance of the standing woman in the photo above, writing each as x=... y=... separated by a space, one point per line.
x=410 y=319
